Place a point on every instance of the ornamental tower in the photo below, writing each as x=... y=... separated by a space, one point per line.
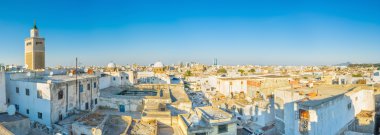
x=35 y=50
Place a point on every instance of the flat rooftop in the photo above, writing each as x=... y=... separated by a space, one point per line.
x=213 y=113
x=119 y=92
x=254 y=77
x=4 y=117
x=143 y=127
x=93 y=119
x=117 y=125
x=321 y=94
x=54 y=78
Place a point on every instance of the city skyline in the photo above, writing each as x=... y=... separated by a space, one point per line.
x=236 y=33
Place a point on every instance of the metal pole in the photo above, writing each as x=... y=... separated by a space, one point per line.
x=76 y=79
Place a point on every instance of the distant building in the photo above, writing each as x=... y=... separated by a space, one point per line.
x=215 y=62
x=35 y=50
x=158 y=68
x=49 y=99
x=249 y=85
x=376 y=76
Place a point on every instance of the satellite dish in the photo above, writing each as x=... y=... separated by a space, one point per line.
x=11 y=110
x=28 y=74
x=51 y=73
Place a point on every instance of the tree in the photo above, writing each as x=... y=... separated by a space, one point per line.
x=222 y=71
x=241 y=71
x=188 y=73
x=252 y=70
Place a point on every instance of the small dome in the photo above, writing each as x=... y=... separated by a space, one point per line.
x=158 y=64
x=111 y=65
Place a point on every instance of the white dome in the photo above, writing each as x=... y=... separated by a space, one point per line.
x=111 y=65
x=158 y=64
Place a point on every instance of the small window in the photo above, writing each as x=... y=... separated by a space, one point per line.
x=60 y=94
x=94 y=84
x=60 y=117
x=17 y=90
x=88 y=86
x=8 y=101
x=114 y=78
x=222 y=129
x=39 y=115
x=121 y=78
x=80 y=88
x=39 y=94
x=96 y=101
x=27 y=92
x=349 y=106
x=27 y=111
x=87 y=106
x=17 y=107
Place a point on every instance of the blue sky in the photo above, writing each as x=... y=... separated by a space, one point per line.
x=236 y=32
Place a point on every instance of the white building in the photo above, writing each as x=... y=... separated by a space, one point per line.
x=3 y=99
x=249 y=85
x=322 y=110
x=207 y=120
x=152 y=78
x=117 y=79
x=49 y=99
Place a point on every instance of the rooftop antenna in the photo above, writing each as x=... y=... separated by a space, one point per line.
x=76 y=79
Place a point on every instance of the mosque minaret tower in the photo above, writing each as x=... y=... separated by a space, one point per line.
x=35 y=50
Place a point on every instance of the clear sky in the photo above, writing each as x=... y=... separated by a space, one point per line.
x=236 y=32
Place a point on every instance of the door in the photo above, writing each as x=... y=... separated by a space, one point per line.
x=121 y=108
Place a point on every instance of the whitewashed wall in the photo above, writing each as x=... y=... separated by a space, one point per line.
x=3 y=99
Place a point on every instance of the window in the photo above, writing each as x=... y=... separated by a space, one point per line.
x=8 y=101
x=94 y=84
x=60 y=117
x=17 y=90
x=121 y=78
x=88 y=86
x=222 y=129
x=241 y=111
x=87 y=106
x=80 y=88
x=27 y=111
x=29 y=43
x=96 y=101
x=39 y=94
x=17 y=107
x=349 y=106
x=60 y=94
x=27 y=92
x=376 y=74
x=114 y=78
x=39 y=115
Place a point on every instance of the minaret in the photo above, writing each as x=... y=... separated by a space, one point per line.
x=35 y=50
